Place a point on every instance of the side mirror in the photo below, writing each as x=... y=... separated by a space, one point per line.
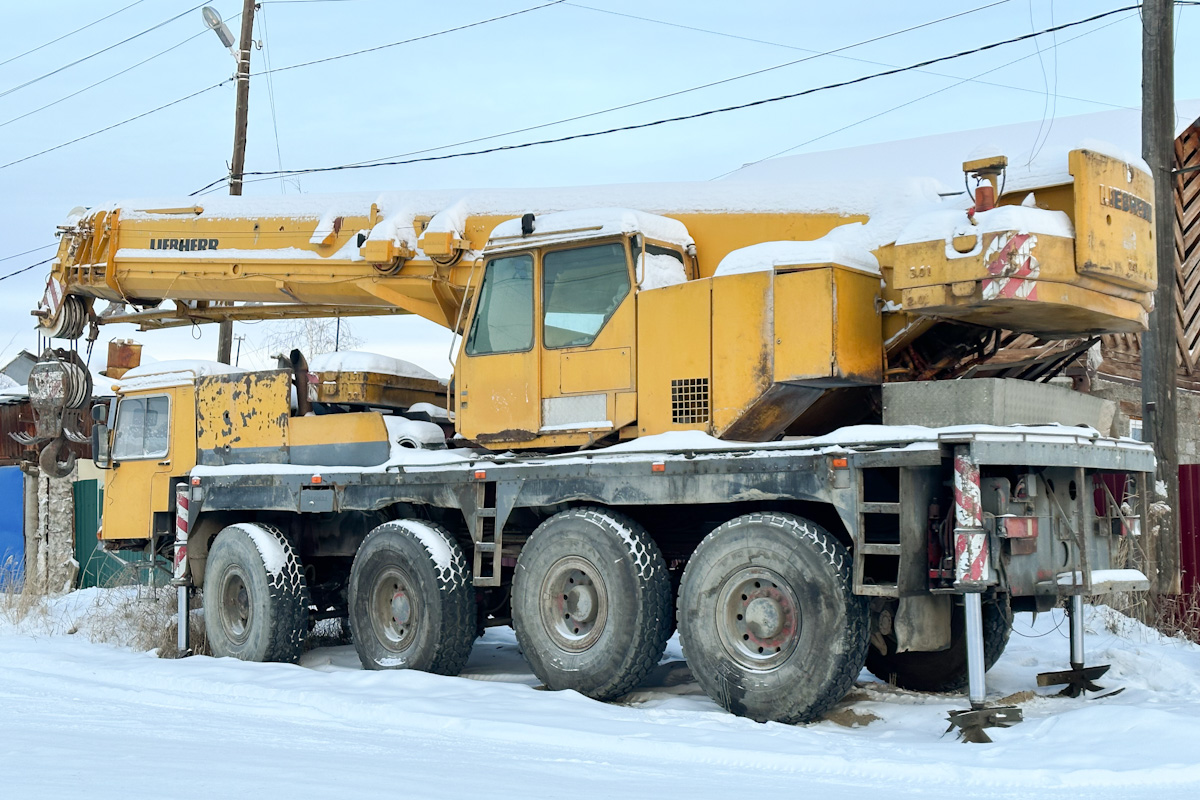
x=101 y=441
x=101 y=455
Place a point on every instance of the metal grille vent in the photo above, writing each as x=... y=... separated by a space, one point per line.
x=689 y=400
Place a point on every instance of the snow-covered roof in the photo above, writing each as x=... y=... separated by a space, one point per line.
x=356 y=361
x=11 y=392
x=17 y=369
x=593 y=223
x=940 y=156
x=829 y=249
x=944 y=224
x=831 y=193
x=164 y=374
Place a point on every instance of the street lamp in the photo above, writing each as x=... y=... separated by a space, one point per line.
x=213 y=20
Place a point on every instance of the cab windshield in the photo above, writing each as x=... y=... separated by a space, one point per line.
x=581 y=288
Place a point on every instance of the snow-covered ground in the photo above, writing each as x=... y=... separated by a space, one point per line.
x=87 y=718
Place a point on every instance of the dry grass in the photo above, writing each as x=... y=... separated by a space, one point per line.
x=1180 y=616
x=15 y=601
x=143 y=617
x=1175 y=616
x=123 y=613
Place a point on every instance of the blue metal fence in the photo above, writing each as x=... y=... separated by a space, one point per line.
x=12 y=524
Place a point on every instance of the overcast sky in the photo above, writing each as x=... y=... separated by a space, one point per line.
x=533 y=68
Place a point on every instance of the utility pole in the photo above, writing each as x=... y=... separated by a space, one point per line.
x=237 y=165
x=1159 y=343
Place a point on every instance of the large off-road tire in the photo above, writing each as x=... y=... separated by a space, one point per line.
x=768 y=620
x=591 y=602
x=412 y=602
x=944 y=670
x=255 y=596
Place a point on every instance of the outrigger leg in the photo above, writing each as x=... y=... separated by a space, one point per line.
x=971 y=724
x=1078 y=678
x=973 y=574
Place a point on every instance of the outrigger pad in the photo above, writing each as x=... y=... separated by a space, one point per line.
x=971 y=723
x=1078 y=679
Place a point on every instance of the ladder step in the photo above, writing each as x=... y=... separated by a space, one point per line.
x=485 y=547
x=489 y=513
x=879 y=508
x=879 y=590
x=879 y=549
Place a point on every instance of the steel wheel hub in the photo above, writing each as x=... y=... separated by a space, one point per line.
x=236 y=611
x=758 y=619
x=574 y=604
x=395 y=611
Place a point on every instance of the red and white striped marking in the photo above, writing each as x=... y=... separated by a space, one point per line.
x=52 y=299
x=972 y=564
x=182 y=522
x=1012 y=266
x=968 y=513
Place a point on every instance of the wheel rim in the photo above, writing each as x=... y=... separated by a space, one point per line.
x=758 y=619
x=395 y=609
x=574 y=604
x=237 y=613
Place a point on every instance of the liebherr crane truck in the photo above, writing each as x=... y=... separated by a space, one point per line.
x=652 y=423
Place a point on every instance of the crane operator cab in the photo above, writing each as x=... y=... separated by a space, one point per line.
x=549 y=353
x=596 y=325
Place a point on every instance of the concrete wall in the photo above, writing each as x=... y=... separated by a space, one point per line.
x=1128 y=396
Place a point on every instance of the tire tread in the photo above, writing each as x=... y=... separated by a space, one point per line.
x=849 y=662
x=288 y=600
x=455 y=589
x=654 y=590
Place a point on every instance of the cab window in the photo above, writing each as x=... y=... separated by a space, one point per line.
x=142 y=429
x=504 y=319
x=581 y=288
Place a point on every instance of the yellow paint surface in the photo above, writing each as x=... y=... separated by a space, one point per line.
x=674 y=329
x=353 y=428
x=244 y=410
x=1114 y=221
x=137 y=488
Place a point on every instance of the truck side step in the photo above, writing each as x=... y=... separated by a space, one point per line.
x=487 y=537
x=883 y=557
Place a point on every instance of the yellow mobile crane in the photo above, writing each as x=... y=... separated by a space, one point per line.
x=621 y=349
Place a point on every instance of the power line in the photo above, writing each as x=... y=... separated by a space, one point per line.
x=27 y=252
x=280 y=69
x=698 y=115
x=77 y=61
x=683 y=91
x=266 y=43
x=1054 y=105
x=26 y=269
x=109 y=78
x=1045 y=84
x=960 y=82
x=409 y=41
x=115 y=124
x=656 y=98
x=72 y=33
x=808 y=50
